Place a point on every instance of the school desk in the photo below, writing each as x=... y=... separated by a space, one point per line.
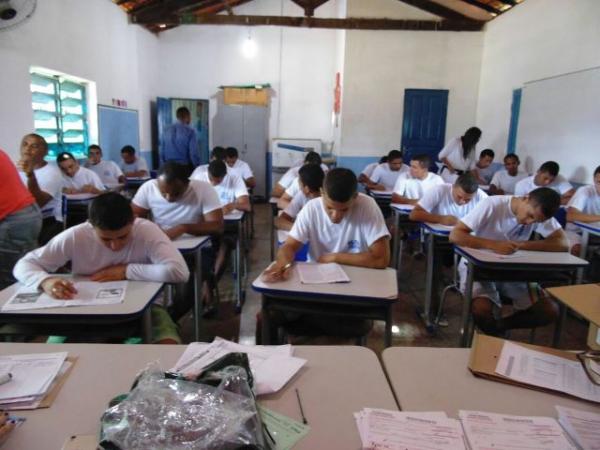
x=136 y=306
x=587 y=229
x=336 y=382
x=531 y=266
x=235 y=220
x=371 y=293
x=400 y=213
x=193 y=245
x=438 y=379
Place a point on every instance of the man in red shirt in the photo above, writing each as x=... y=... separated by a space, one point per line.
x=20 y=219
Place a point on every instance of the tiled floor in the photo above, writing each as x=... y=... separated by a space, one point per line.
x=409 y=330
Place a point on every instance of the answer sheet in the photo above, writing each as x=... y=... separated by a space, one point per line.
x=582 y=426
x=31 y=374
x=322 y=273
x=89 y=293
x=547 y=371
x=485 y=431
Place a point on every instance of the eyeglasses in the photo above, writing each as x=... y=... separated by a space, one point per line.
x=590 y=360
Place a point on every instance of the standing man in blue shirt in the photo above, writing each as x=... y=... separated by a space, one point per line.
x=180 y=141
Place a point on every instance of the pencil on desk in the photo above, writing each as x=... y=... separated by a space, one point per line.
x=304 y=421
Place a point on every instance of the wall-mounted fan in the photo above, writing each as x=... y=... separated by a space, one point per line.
x=14 y=12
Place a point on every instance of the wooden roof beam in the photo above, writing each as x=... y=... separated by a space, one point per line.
x=309 y=6
x=164 y=9
x=483 y=6
x=437 y=9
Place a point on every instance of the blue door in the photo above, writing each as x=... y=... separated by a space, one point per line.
x=424 y=122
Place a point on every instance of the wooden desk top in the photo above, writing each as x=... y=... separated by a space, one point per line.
x=582 y=298
x=188 y=243
x=522 y=257
x=335 y=383
x=437 y=379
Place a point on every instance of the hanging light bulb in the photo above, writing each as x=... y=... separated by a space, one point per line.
x=249 y=47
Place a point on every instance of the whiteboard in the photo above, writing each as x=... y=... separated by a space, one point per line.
x=289 y=152
x=117 y=127
x=560 y=121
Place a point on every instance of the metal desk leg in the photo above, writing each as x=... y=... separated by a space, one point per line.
x=426 y=316
x=147 y=325
x=396 y=242
x=465 y=337
x=585 y=238
x=388 y=327
x=198 y=295
x=238 y=268
x=272 y=232
x=265 y=326
x=562 y=315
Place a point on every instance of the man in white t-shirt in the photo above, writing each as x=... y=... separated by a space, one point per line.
x=239 y=167
x=408 y=190
x=547 y=176
x=217 y=153
x=447 y=203
x=583 y=207
x=367 y=172
x=131 y=165
x=504 y=181
x=44 y=181
x=385 y=175
x=484 y=170
x=311 y=180
x=181 y=206
x=110 y=246
x=77 y=179
x=230 y=188
x=504 y=224
x=108 y=171
x=291 y=175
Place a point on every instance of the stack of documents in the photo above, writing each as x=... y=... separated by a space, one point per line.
x=486 y=431
x=394 y=430
x=33 y=377
x=582 y=426
x=272 y=366
x=89 y=293
x=322 y=273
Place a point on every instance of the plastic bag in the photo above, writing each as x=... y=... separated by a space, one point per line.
x=163 y=411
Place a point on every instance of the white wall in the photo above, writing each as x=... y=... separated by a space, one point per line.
x=538 y=39
x=380 y=65
x=91 y=40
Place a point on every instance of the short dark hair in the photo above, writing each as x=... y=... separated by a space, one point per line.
x=39 y=138
x=548 y=200
x=487 y=152
x=513 y=156
x=173 y=171
x=467 y=182
x=110 y=211
x=550 y=167
x=218 y=153
x=340 y=184
x=597 y=171
x=231 y=152
x=383 y=159
x=423 y=160
x=128 y=149
x=311 y=176
x=63 y=156
x=312 y=158
x=182 y=112
x=394 y=154
x=94 y=147
x=217 y=169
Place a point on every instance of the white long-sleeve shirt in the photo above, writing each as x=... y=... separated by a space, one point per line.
x=150 y=256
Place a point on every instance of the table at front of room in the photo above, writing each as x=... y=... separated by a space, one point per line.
x=193 y=245
x=335 y=383
x=533 y=266
x=438 y=379
x=136 y=306
x=371 y=293
x=235 y=221
x=400 y=212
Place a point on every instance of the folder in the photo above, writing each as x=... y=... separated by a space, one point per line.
x=485 y=353
x=58 y=384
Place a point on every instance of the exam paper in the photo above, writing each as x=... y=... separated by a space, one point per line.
x=582 y=426
x=286 y=432
x=89 y=293
x=393 y=430
x=32 y=374
x=322 y=273
x=272 y=367
x=486 y=431
x=547 y=371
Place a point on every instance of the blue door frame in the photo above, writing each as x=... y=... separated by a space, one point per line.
x=515 y=109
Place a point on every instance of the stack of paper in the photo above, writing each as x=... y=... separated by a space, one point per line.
x=394 y=430
x=272 y=366
x=32 y=378
x=89 y=293
x=486 y=431
x=582 y=426
x=322 y=273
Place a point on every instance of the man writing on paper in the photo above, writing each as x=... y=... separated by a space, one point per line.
x=504 y=224
x=110 y=246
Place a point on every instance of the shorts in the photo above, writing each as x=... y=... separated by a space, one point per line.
x=521 y=294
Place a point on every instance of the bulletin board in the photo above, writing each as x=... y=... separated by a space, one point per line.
x=117 y=127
